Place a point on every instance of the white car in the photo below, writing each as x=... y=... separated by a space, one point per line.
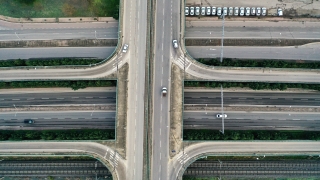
x=186 y=11
x=203 y=11
x=242 y=11
x=175 y=43
x=225 y=11
x=213 y=12
x=197 y=11
x=192 y=11
x=208 y=11
x=258 y=11
x=236 y=11
x=230 y=11
x=221 y=115
x=264 y=11
x=219 y=11
x=280 y=13
x=247 y=11
x=125 y=48
x=253 y=11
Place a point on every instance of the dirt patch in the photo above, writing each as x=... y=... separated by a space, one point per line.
x=60 y=43
x=249 y=42
x=121 y=119
x=176 y=110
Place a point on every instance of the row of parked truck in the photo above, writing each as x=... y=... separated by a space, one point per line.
x=228 y=11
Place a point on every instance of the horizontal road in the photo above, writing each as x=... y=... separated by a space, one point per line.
x=254 y=169
x=56 y=52
x=253 y=98
x=87 y=169
x=240 y=120
x=95 y=119
x=50 y=34
x=30 y=98
x=305 y=52
x=252 y=29
x=197 y=150
x=47 y=31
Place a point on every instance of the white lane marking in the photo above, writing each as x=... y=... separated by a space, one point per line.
x=60 y=98
x=89 y=97
x=162 y=69
x=44 y=98
x=75 y=97
x=15 y=99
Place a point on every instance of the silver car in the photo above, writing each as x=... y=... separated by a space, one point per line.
x=247 y=11
x=125 y=48
x=264 y=11
x=213 y=12
x=197 y=11
x=192 y=11
x=225 y=11
x=242 y=11
x=280 y=12
x=203 y=11
x=236 y=11
x=253 y=11
x=221 y=115
x=175 y=43
x=219 y=11
x=186 y=11
x=208 y=11
x=230 y=11
x=258 y=11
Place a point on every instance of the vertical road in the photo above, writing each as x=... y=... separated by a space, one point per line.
x=164 y=52
x=135 y=22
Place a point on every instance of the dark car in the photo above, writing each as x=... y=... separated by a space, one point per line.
x=28 y=121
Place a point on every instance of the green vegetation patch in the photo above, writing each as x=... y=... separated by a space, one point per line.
x=84 y=134
x=261 y=63
x=196 y=134
x=59 y=8
x=48 y=62
x=252 y=85
x=75 y=85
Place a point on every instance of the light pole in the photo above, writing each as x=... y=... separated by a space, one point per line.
x=220 y=169
x=221 y=55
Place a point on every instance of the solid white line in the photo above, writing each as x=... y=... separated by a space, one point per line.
x=160 y=156
x=15 y=99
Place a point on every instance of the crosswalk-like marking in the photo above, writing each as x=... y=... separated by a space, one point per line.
x=181 y=60
x=183 y=158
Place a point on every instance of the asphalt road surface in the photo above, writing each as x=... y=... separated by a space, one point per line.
x=57 y=98
x=239 y=120
x=253 y=98
x=254 y=169
x=253 y=29
x=305 y=52
x=88 y=169
x=198 y=150
x=56 y=52
x=47 y=31
x=50 y=34
x=58 y=120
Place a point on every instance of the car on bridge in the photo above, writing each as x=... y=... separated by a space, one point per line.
x=125 y=48
x=28 y=121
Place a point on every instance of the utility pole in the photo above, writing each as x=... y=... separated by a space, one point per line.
x=221 y=55
x=222 y=113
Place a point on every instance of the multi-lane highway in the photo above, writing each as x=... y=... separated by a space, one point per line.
x=252 y=29
x=95 y=119
x=47 y=31
x=56 y=52
x=304 y=52
x=254 y=169
x=87 y=169
x=253 y=98
x=50 y=97
x=240 y=120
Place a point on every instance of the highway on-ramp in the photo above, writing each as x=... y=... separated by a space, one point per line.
x=180 y=162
